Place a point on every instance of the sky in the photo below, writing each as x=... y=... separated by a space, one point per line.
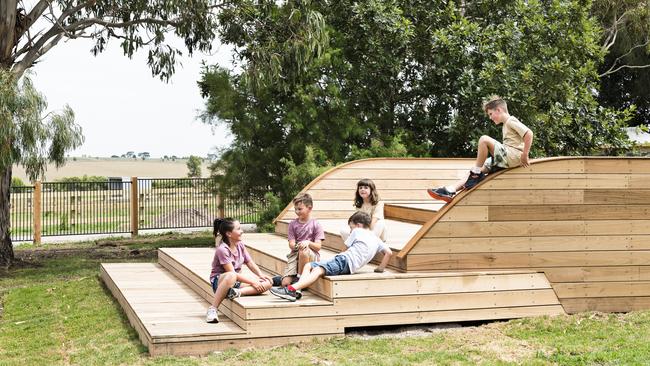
x=122 y=107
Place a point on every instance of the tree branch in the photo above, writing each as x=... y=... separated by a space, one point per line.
x=33 y=16
x=612 y=69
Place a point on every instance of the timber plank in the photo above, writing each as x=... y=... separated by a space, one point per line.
x=602 y=289
x=539 y=228
x=566 y=212
x=625 y=197
x=606 y=304
x=506 y=244
x=488 y=261
x=485 y=196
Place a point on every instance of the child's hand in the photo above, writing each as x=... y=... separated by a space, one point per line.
x=302 y=245
x=524 y=161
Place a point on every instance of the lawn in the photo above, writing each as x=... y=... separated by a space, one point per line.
x=57 y=311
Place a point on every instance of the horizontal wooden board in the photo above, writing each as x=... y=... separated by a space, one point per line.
x=571 y=165
x=460 y=283
x=379 y=174
x=409 y=214
x=401 y=182
x=606 y=304
x=570 y=181
x=539 y=228
x=484 y=196
x=473 y=261
x=506 y=244
x=598 y=274
x=466 y=213
x=617 y=165
x=200 y=348
x=386 y=194
x=411 y=163
x=566 y=212
x=617 y=196
x=602 y=289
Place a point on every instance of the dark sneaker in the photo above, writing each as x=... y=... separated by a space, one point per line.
x=277 y=281
x=474 y=179
x=294 y=279
x=441 y=194
x=233 y=293
x=284 y=293
x=298 y=294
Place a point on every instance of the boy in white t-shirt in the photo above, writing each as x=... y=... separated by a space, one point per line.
x=513 y=152
x=362 y=245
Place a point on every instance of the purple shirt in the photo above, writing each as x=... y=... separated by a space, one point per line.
x=311 y=230
x=223 y=255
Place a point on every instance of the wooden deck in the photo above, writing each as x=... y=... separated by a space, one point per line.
x=565 y=234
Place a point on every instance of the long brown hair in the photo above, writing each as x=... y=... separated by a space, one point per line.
x=223 y=226
x=374 y=196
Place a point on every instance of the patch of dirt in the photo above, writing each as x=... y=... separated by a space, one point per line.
x=489 y=339
x=423 y=330
x=119 y=252
x=484 y=339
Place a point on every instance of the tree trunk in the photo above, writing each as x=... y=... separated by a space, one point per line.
x=7 y=30
x=6 y=246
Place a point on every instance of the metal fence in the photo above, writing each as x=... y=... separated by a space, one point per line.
x=76 y=208
x=192 y=202
x=22 y=213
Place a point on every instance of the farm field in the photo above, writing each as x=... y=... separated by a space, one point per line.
x=108 y=167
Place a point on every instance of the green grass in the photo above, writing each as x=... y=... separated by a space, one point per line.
x=60 y=313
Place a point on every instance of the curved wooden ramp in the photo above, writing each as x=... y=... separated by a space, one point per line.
x=583 y=221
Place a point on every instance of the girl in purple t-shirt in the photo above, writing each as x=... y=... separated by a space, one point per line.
x=226 y=277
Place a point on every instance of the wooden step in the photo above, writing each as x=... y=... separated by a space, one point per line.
x=417 y=213
x=398 y=234
x=369 y=293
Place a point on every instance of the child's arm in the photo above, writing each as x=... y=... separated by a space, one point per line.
x=292 y=245
x=384 y=262
x=528 y=142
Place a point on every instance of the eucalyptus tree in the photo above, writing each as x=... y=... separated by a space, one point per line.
x=30 y=29
x=406 y=75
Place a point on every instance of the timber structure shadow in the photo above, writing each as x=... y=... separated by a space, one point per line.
x=563 y=235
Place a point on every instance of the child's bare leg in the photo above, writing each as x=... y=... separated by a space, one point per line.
x=226 y=281
x=249 y=290
x=485 y=146
x=309 y=276
x=286 y=281
x=303 y=258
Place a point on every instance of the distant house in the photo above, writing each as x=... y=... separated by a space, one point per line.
x=124 y=183
x=640 y=138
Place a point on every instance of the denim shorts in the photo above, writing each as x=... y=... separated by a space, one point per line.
x=215 y=282
x=335 y=266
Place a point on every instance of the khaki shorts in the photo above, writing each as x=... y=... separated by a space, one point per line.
x=292 y=261
x=503 y=157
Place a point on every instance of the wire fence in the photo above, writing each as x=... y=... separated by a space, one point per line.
x=22 y=213
x=81 y=208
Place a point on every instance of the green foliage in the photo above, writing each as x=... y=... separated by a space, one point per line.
x=59 y=312
x=402 y=78
x=17 y=182
x=298 y=176
x=194 y=167
x=85 y=183
x=27 y=137
x=63 y=222
x=275 y=205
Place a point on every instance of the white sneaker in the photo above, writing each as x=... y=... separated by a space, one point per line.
x=211 y=316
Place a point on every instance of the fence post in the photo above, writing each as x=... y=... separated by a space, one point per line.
x=220 y=206
x=38 y=203
x=134 y=206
